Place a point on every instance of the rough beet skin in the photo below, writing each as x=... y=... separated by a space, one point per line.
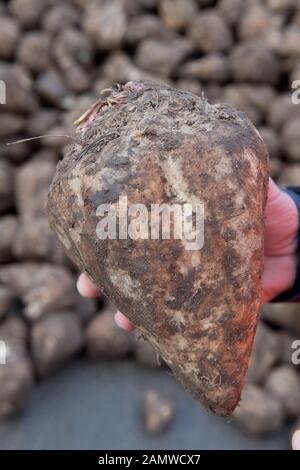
x=155 y=144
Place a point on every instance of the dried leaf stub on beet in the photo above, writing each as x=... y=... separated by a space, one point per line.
x=154 y=144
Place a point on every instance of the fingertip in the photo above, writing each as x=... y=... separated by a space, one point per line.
x=296 y=440
x=123 y=322
x=86 y=287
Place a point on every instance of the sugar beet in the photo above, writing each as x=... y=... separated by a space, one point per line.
x=155 y=144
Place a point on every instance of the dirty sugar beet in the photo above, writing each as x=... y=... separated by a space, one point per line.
x=155 y=145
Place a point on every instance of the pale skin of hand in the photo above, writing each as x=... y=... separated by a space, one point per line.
x=281 y=226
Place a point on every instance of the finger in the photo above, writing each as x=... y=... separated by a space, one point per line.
x=123 y=322
x=86 y=287
x=273 y=191
x=278 y=276
x=281 y=222
x=296 y=440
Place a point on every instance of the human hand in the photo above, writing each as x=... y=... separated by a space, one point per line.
x=281 y=227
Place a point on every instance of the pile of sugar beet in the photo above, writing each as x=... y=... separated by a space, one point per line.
x=55 y=58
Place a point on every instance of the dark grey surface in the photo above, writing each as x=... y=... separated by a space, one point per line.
x=97 y=406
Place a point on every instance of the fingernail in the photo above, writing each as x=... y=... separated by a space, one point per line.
x=123 y=322
x=78 y=285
